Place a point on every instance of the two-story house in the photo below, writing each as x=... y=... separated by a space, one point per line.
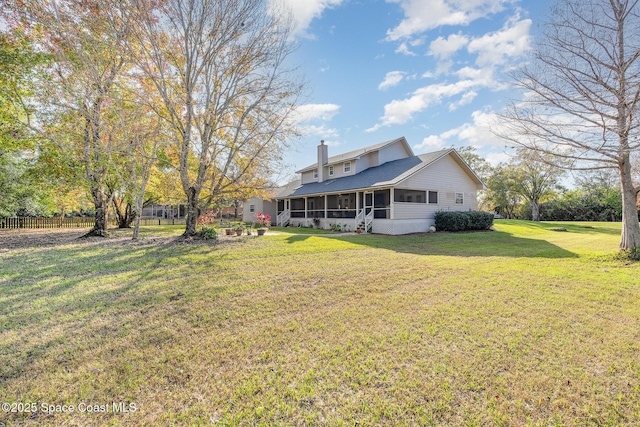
x=383 y=188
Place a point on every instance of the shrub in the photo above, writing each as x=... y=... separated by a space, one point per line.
x=480 y=220
x=208 y=233
x=451 y=221
x=461 y=221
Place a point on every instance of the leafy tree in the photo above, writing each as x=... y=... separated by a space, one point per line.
x=583 y=89
x=534 y=179
x=76 y=101
x=502 y=195
x=19 y=189
x=479 y=165
x=219 y=68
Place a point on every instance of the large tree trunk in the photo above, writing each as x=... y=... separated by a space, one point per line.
x=136 y=228
x=192 y=213
x=535 y=210
x=101 y=202
x=124 y=216
x=630 y=226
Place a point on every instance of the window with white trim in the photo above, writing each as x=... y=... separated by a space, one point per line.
x=347 y=167
x=315 y=174
x=252 y=208
x=459 y=198
x=330 y=170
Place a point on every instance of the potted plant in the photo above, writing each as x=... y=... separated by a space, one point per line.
x=264 y=221
x=238 y=228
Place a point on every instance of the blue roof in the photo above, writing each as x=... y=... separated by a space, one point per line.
x=385 y=175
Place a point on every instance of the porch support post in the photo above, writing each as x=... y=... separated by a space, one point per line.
x=325 y=209
x=305 y=207
x=357 y=202
x=391 y=203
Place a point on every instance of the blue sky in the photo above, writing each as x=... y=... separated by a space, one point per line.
x=430 y=70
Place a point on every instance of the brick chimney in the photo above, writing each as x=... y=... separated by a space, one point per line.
x=323 y=158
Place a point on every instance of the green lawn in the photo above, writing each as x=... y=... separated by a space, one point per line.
x=520 y=326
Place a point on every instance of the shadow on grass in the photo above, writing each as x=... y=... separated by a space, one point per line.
x=57 y=288
x=481 y=244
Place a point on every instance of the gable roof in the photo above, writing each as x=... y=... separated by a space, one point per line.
x=385 y=175
x=351 y=155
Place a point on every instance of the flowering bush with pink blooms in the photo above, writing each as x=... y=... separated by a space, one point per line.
x=264 y=219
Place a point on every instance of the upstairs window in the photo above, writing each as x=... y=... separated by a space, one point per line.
x=330 y=170
x=315 y=174
x=459 y=198
x=347 y=167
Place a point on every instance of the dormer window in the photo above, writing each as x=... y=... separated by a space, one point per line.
x=347 y=167
x=315 y=174
x=330 y=170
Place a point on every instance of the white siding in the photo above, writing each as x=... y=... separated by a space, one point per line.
x=264 y=206
x=338 y=170
x=447 y=178
x=410 y=210
x=401 y=226
x=392 y=152
x=307 y=177
x=367 y=161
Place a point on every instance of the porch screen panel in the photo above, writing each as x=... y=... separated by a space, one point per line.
x=297 y=208
x=410 y=196
x=381 y=204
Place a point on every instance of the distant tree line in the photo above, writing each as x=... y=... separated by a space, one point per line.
x=527 y=188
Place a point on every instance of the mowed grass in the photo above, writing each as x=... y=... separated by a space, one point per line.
x=519 y=326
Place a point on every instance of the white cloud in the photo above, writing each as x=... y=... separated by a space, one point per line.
x=400 y=111
x=404 y=49
x=430 y=143
x=496 y=48
x=308 y=112
x=480 y=133
x=497 y=157
x=466 y=98
x=391 y=79
x=311 y=119
x=321 y=131
x=303 y=12
x=443 y=48
x=477 y=133
x=423 y=15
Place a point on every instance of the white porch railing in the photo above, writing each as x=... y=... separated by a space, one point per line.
x=368 y=221
x=283 y=218
x=364 y=222
x=359 y=218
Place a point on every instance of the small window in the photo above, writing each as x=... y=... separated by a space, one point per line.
x=459 y=198
x=433 y=197
x=330 y=170
x=315 y=174
x=347 y=167
x=252 y=208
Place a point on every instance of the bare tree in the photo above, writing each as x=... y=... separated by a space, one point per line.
x=582 y=88
x=220 y=69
